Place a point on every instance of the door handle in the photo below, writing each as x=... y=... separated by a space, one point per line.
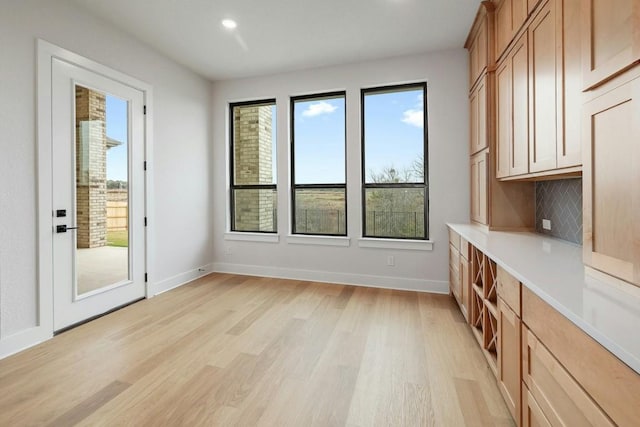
x=63 y=228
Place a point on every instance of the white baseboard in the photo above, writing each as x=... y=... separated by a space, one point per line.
x=180 y=279
x=23 y=340
x=386 y=282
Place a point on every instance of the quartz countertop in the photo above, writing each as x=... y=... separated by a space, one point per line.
x=553 y=270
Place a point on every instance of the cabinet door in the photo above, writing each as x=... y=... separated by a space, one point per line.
x=503 y=25
x=478 y=112
x=569 y=56
x=512 y=112
x=543 y=96
x=465 y=287
x=479 y=195
x=509 y=358
x=519 y=13
x=519 y=159
x=478 y=54
x=611 y=38
x=611 y=182
x=503 y=118
x=454 y=273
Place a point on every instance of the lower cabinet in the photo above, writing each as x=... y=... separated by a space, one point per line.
x=548 y=370
x=509 y=358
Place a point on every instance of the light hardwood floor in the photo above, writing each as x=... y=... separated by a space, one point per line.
x=237 y=350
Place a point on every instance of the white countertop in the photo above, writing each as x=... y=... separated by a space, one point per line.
x=554 y=271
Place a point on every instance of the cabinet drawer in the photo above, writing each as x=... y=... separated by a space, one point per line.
x=509 y=290
x=612 y=384
x=561 y=399
x=454 y=258
x=532 y=415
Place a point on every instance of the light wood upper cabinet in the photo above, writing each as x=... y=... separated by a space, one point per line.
x=611 y=181
x=479 y=182
x=478 y=112
x=510 y=15
x=543 y=90
x=512 y=112
x=611 y=38
x=478 y=54
x=478 y=43
x=539 y=98
x=569 y=144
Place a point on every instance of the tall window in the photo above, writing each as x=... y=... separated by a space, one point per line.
x=394 y=166
x=253 y=166
x=318 y=164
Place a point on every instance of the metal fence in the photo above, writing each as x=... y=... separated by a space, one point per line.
x=378 y=223
x=320 y=221
x=395 y=224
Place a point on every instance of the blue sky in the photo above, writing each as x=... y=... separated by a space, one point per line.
x=117 y=129
x=394 y=131
x=319 y=141
x=393 y=128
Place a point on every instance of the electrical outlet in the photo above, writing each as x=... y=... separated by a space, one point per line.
x=546 y=224
x=391 y=261
x=228 y=250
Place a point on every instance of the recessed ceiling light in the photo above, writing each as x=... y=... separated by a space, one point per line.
x=229 y=24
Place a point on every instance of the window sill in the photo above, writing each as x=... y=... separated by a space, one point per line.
x=409 y=245
x=252 y=237
x=318 y=240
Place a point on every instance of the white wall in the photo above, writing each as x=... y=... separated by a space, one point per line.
x=182 y=149
x=446 y=74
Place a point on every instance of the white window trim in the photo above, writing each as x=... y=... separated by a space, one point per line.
x=242 y=236
x=297 y=239
x=401 y=244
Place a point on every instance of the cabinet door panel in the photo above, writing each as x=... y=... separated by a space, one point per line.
x=519 y=161
x=570 y=81
x=503 y=118
x=478 y=113
x=509 y=358
x=611 y=34
x=479 y=196
x=504 y=25
x=465 y=287
x=542 y=86
x=611 y=182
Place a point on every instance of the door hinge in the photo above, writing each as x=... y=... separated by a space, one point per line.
x=145 y=221
x=144 y=110
x=146 y=277
x=145 y=165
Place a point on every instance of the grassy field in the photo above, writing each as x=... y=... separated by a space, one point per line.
x=118 y=238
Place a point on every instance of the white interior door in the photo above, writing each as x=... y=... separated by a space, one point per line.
x=98 y=194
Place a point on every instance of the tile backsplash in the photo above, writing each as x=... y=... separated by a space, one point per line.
x=561 y=202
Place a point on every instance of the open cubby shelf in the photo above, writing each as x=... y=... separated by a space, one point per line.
x=484 y=312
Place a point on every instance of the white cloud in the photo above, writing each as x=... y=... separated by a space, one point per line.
x=319 y=108
x=414 y=118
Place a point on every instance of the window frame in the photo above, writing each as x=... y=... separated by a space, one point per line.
x=424 y=185
x=232 y=185
x=294 y=186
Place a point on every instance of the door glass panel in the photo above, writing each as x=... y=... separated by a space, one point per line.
x=102 y=190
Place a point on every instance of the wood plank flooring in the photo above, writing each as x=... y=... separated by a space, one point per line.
x=235 y=350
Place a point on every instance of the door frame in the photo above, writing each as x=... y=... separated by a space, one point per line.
x=46 y=52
